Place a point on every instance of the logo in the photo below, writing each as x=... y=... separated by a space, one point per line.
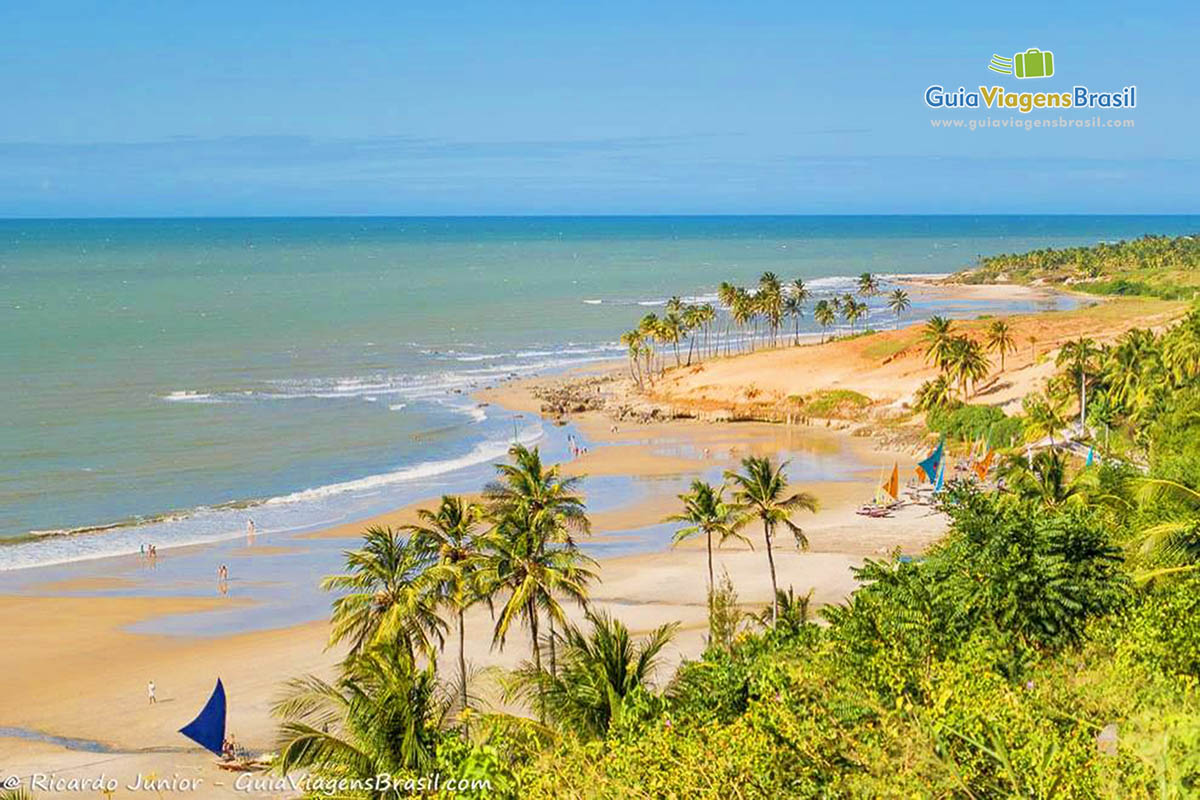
x=1033 y=63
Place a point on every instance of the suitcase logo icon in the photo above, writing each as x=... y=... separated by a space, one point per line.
x=1033 y=63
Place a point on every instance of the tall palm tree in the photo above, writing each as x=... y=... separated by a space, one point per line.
x=534 y=575
x=798 y=295
x=648 y=327
x=382 y=716
x=1000 y=339
x=704 y=507
x=726 y=295
x=794 y=310
x=743 y=310
x=937 y=336
x=761 y=491
x=387 y=596
x=898 y=303
x=450 y=535
x=536 y=503
x=601 y=669
x=1079 y=356
x=671 y=330
x=825 y=316
x=693 y=320
x=852 y=310
x=965 y=362
x=632 y=340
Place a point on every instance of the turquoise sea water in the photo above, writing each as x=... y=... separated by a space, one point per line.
x=308 y=370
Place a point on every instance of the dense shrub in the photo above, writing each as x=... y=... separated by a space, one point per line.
x=968 y=423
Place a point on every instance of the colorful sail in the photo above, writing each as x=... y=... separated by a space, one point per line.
x=982 y=467
x=892 y=487
x=208 y=728
x=929 y=467
x=941 y=478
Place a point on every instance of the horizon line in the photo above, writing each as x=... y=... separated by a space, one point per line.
x=714 y=215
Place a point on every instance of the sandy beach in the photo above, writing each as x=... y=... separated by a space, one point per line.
x=80 y=656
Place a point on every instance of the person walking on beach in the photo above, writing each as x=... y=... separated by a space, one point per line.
x=250 y=529
x=150 y=692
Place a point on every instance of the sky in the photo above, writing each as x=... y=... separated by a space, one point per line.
x=266 y=108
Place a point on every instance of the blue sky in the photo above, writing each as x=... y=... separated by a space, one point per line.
x=264 y=108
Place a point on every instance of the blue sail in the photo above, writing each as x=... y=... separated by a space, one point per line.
x=941 y=478
x=1091 y=456
x=208 y=728
x=930 y=465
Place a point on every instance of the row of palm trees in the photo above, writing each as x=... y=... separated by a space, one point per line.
x=751 y=319
x=516 y=551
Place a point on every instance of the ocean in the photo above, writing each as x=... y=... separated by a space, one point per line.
x=165 y=380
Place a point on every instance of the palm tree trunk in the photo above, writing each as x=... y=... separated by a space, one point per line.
x=710 y=567
x=1082 y=403
x=462 y=660
x=531 y=612
x=553 y=651
x=774 y=585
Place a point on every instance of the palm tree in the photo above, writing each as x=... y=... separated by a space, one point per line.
x=1000 y=339
x=937 y=393
x=671 y=329
x=825 y=316
x=1044 y=479
x=726 y=295
x=449 y=535
x=793 y=310
x=388 y=596
x=534 y=574
x=693 y=319
x=381 y=716
x=633 y=340
x=648 y=328
x=898 y=302
x=761 y=490
x=743 y=310
x=601 y=669
x=705 y=508
x=770 y=301
x=937 y=338
x=541 y=502
x=868 y=285
x=1043 y=416
x=965 y=362
x=852 y=310
x=1079 y=356
x=1173 y=544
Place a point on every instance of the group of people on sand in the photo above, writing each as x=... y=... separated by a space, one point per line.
x=150 y=553
x=573 y=445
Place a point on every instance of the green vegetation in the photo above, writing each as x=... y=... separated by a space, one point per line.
x=1047 y=646
x=832 y=403
x=1153 y=266
x=970 y=423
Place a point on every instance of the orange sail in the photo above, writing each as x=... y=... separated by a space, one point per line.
x=981 y=467
x=892 y=487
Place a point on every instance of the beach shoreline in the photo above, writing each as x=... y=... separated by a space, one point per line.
x=67 y=629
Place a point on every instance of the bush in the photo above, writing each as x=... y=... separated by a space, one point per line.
x=969 y=423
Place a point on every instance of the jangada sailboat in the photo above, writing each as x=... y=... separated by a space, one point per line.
x=208 y=731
